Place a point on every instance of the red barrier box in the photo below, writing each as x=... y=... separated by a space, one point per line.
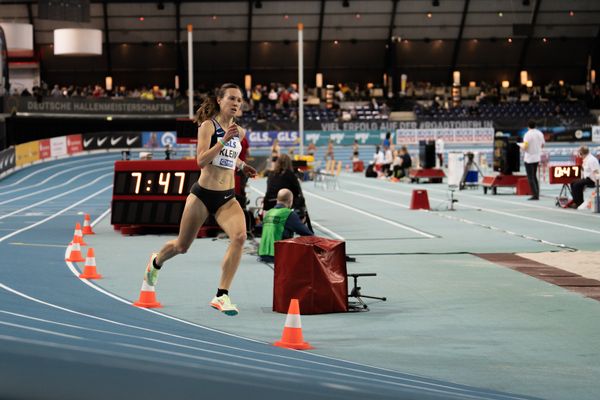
x=313 y=270
x=358 y=166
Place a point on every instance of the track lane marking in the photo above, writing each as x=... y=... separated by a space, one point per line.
x=56 y=197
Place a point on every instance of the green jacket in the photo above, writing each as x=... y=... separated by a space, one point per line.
x=273 y=227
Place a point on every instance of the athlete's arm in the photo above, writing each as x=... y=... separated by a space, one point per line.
x=241 y=165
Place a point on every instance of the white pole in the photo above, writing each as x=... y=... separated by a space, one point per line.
x=301 y=87
x=190 y=72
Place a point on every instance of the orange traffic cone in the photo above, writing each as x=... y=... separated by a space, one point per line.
x=78 y=236
x=292 y=331
x=75 y=253
x=87 y=228
x=147 y=297
x=89 y=270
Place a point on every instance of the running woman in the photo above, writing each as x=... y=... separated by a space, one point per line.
x=218 y=149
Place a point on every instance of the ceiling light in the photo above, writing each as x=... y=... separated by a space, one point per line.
x=345 y=4
x=435 y=3
x=429 y=15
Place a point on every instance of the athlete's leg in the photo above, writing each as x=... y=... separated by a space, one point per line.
x=230 y=218
x=194 y=215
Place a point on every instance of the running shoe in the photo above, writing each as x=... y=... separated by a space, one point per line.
x=223 y=304
x=151 y=273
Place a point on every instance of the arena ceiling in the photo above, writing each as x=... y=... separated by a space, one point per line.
x=326 y=20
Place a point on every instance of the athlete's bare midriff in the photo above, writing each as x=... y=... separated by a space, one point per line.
x=216 y=178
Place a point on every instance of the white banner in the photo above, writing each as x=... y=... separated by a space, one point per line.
x=456 y=135
x=596 y=133
x=58 y=146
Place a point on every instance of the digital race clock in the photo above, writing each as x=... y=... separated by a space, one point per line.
x=564 y=174
x=151 y=193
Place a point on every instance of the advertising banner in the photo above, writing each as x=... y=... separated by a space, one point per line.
x=153 y=140
x=98 y=106
x=319 y=138
x=58 y=146
x=27 y=153
x=45 y=149
x=7 y=159
x=266 y=138
x=112 y=140
x=74 y=144
x=465 y=135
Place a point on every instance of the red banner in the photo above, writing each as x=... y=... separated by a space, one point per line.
x=45 y=149
x=74 y=144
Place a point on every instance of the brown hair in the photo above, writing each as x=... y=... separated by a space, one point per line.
x=283 y=163
x=209 y=106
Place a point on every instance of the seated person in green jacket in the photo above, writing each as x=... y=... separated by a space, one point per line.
x=280 y=222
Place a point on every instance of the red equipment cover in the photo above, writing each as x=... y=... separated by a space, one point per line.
x=313 y=270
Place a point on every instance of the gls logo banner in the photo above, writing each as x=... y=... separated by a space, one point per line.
x=94 y=141
x=7 y=159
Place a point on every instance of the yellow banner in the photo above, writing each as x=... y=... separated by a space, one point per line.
x=27 y=153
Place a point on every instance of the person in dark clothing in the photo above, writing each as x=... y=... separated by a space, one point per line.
x=405 y=162
x=280 y=222
x=282 y=177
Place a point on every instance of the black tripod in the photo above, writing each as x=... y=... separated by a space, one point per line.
x=359 y=304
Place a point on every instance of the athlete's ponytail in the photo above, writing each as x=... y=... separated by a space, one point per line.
x=210 y=107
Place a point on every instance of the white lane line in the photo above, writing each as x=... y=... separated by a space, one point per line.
x=326 y=230
x=3 y=238
x=321 y=227
x=58 y=165
x=100 y=218
x=87 y=166
x=543 y=221
x=375 y=198
x=56 y=196
x=30 y=328
x=561 y=245
x=393 y=223
x=36 y=244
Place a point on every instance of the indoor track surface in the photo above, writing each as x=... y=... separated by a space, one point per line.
x=455 y=325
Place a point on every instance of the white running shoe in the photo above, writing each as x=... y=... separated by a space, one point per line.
x=151 y=273
x=223 y=304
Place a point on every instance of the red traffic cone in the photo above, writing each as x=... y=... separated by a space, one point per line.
x=87 y=227
x=292 y=331
x=419 y=200
x=78 y=235
x=75 y=253
x=89 y=270
x=147 y=297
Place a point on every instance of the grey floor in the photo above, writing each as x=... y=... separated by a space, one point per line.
x=450 y=315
